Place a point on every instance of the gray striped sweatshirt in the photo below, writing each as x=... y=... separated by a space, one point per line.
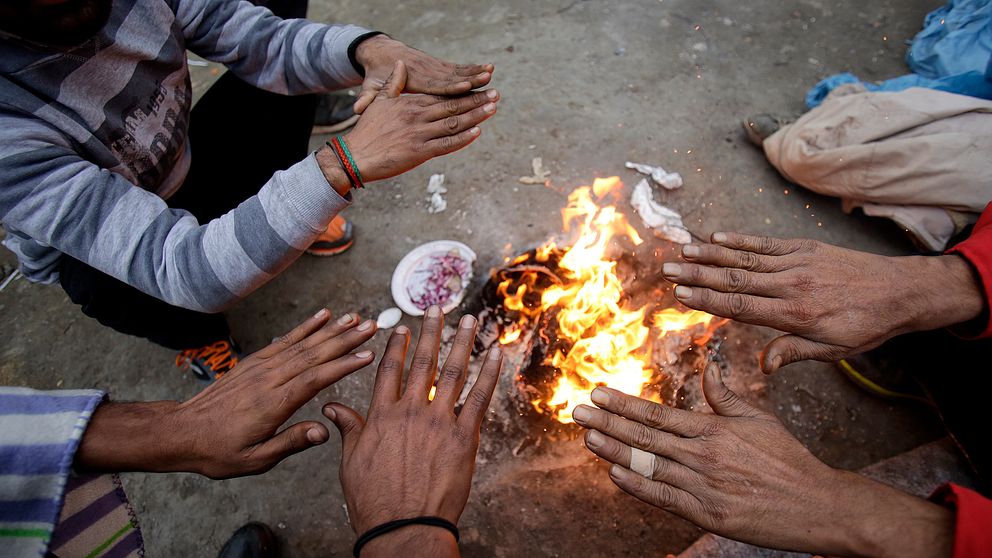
x=92 y=140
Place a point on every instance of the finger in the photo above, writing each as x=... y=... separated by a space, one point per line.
x=454 y=124
x=615 y=451
x=390 y=374
x=659 y=417
x=439 y=108
x=793 y=348
x=329 y=329
x=307 y=385
x=470 y=70
x=395 y=83
x=312 y=324
x=325 y=346
x=450 y=144
x=478 y=398
x=296 y=438
x=632 y=433
x=723 y=401
x=659 y=494
x=741 y=307
x=348 y=422
x=711 y=254
x=723 y=279
x=449 y=384
x=370 y=89
x=423 y=368
x=757 y=244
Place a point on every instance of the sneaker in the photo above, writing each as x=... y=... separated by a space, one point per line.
x=210 y=362
x=338 y=237
x=760 y=127
x=335 y=112
x=254 y=540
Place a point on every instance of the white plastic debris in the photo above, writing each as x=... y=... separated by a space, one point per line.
x=541 y=175
x=436 y=189
x=388 y=318
x=666 y=223
x=661 y=177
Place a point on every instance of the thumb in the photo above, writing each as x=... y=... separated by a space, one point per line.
x=396 y=82
x=723 y=401
x=296 y=438
x=793 y=348
x=349 y=423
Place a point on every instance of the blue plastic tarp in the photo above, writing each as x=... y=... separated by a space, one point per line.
x=952 y=53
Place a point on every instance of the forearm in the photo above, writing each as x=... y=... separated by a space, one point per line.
x=415 y=541
x=133 y=437
x=941 y=291
x=862 y=517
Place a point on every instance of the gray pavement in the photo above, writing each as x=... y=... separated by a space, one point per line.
x=587 y=85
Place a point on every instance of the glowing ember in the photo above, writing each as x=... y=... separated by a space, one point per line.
x=604 y=341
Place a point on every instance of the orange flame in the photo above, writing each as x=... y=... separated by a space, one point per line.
x=609 y=343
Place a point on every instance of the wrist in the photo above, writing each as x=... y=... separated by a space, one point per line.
x=336 y=177
x=944 y=291
x=414 y=541
x=133 y=437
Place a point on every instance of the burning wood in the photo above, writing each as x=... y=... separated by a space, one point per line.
x=567 y=307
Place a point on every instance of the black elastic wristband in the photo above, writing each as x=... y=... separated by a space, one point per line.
x=344 y=169
x=429 y=520
x=353 y=50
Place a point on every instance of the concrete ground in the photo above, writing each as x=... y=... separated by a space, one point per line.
x=587 y=85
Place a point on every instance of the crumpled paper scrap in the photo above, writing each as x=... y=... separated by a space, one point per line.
x=666 y=223
x=541 y=175
x=436 y=189
x=661 y=177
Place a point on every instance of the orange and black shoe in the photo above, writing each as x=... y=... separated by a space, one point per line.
x=210 y=362
x=338 y=237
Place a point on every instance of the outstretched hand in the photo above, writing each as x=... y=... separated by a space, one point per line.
x=232 y=428
x=832 y=302
x=398 y=133
x=741 y=474
x=378 y=55
x=413 y=456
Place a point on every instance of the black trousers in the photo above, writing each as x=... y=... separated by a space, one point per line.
x=240 y=136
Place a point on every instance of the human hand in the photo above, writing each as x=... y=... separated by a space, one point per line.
x=398 y=133
x=741 y=474
x=413 y=457
x=832 y=302
x=231 y=428
x=378 y=55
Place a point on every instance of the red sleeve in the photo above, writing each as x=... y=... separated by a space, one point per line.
x=973 y=526
x=978 y=251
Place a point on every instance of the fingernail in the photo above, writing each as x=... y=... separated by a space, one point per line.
x=616 y=471
x=581 y=414
x=489 y=107
x=492 y=94
x=475 y=131
x=467 y=321
x=671 y=269
x=315 y=436
x=346 y=319
x=363 y=355
x=433 y=312
x=494 y=353
x=690 y=251
x=329 y=413
x=683 y=293
x=320 y=314
x=776 y=362
x=402 y=330
x=599 y=396
x=719 y=237
x=365 y=326
x=594 y=439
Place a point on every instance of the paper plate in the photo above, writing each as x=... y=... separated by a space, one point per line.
x=414 y=262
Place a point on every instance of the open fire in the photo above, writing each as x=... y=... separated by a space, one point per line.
x=583 y=312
